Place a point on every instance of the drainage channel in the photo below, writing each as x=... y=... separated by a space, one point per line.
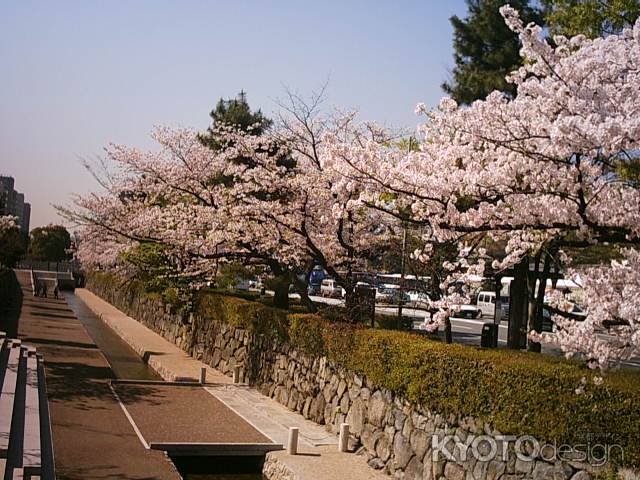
x=127 y=364
x=226 y=468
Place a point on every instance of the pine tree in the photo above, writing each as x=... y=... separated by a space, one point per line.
x=486 y=50
x=593 y=18
x=235 y=111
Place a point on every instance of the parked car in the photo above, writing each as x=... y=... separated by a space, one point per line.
x=330 y=288
x=418 y=299
x=548 y=325
x=391 y=294
x=486 y=302
x=314 y=289
x=468 y=311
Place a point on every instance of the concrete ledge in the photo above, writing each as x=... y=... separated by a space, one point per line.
x=168 y=360
x=216 y=449
x=320 y=463
x=179 y=383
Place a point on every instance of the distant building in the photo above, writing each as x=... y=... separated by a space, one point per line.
x=12 y=203
x=26 y=218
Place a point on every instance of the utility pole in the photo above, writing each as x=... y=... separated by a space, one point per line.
x=518 y=306
x=402 y=266
x=401 y=299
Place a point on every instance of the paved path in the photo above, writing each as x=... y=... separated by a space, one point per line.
x=92 y=437
x=270 y=416
x=318 y=457
x=183 y=414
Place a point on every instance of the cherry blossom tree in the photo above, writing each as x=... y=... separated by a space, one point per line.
x=537 y=173
x=7 y=222
x=278 y=207
x=176 y=197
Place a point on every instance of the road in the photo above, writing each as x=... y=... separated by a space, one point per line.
x=467 y=331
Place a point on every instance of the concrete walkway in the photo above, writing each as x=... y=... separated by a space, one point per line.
x=92 y=437
x=318 y=457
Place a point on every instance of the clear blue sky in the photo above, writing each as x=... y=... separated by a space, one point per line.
x=77 y=75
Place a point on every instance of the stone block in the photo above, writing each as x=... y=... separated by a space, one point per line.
x=547 y=471
x=377 y=409
x=356 y=416
x=453 y=471
x=383 y=447
x=581 y=475
x=495 y=469
x=402 y=451
x=420 y=442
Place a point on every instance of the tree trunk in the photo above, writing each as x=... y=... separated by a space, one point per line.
x=351 y=305
x=518 y=305
x=536 y=313
x=281 y=291
x=301 y=288
x=448 y=334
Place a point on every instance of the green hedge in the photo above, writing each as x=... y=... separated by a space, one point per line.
x=516 y=392
x=238 y=312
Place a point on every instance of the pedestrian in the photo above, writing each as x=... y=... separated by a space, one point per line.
x=36 y=289
x=44 y=289
x=55 y=291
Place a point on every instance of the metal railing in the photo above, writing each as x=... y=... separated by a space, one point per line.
x=64 y=266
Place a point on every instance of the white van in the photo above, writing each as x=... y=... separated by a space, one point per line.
x=330 y=288
x=487 y=303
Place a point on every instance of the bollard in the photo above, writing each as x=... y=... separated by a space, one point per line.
x=292 y=443
x=343 y=441
x=203 y=375
x=236 y=374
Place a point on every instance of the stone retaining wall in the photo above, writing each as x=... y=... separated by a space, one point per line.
x=397 y=437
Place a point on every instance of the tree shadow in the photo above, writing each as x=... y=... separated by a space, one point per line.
x=53 y=315
x=99 y=472
x=59 y=343
x=87 y=386
x=47 y=307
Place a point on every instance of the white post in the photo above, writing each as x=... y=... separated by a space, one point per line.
x=292 y=443
x=203 y=375
x=343 y=441
x=236 y=374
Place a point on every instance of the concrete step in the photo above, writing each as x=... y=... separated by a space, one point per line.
x=31 y=450
x=8 y=395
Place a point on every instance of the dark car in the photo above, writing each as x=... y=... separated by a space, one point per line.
x=547 y=323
